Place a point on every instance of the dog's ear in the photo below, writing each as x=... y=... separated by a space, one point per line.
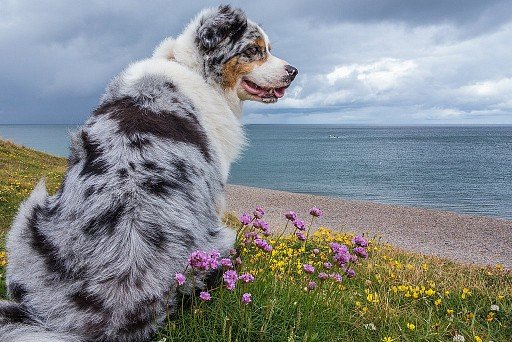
x=215 y=28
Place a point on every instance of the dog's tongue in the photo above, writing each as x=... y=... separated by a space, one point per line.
x=255 y=90
x=279 y=92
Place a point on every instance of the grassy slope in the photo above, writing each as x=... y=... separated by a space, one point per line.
x=382 y=293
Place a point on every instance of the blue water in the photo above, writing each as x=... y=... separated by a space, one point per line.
x=464 y=169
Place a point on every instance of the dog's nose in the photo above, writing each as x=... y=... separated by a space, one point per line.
x=291 y=71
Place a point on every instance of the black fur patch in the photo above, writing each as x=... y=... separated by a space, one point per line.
x=123 y=173
x=93 y=164
x=134 y=119
x=159 y=186
x=106 y=222
x=46 y=249
x=153 y=235
x=13 y=313
x=89 y=191
x=139 y=142
x=17 y=291
x=84 y=300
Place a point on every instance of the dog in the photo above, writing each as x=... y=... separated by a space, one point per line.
x=143 y=188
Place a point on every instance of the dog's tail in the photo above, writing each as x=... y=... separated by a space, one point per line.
x=17 y=325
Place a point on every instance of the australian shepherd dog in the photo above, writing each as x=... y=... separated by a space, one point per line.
x=143 y=188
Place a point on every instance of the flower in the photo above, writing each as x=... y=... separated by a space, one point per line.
x=465 y=293
x=315 y=212
x=360 y=241
x=327 y=265
x=311 y=285
x=495 y=307
x=260 y=224
x=213 y=260
x=258 y=212
x=180 y=278
x=316 y=251
x=246 y=298
x=370 y=326
x=478 y=338
x=337 y=277
x=308 y=268
x=226 y=262
x=300 y=236
x=230 y=277
x=199 y=260
x=263 y=244
x=323 y=275
x=350 y=273
x=291 y=215
x=246 y=277
x=411 y=326
x=361 y=252
x=387 y=339
x=245 y=219
x=205 y=296
x=299 y=224
x=458 y=338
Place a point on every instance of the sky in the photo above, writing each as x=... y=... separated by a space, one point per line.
x=385 y=62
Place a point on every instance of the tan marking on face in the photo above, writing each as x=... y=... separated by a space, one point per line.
x=235 y=68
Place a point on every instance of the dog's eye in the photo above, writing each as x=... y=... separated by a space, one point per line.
x=251 y=51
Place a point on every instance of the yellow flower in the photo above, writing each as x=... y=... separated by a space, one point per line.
x=411 y=326
x=449 y=312
x=465 y=293
x=387 y=339
x=478 y=338
x=438 y=301
x=430 y=292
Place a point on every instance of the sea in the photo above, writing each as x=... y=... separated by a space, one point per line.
x=464 y=169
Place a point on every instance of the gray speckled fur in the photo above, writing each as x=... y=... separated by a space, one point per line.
x=96 y=261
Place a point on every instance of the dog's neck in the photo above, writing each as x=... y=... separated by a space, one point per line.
x=184 y=51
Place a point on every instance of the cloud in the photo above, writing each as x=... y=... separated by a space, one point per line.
x=359 y=61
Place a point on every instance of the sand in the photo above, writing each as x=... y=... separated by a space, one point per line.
x=468 y=239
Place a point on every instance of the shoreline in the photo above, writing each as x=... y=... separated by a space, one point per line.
x=468 y=239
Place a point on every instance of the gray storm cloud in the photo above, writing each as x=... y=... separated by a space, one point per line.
x=360 y=62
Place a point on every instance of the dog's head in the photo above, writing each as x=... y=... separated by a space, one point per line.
x=235 y=53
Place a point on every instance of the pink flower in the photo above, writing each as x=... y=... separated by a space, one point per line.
x=315 y=212
x=230 y=277
x=245 y=219
x=238 y=261
x=299 y=224
x=311 y=285
x=300 y=236
x=350 y=273
x=323 y=275
x=180 y=278
x=361 y=251
x=246 y=278
x=213 y=260
x=327 y=265
x=291 y=215
x=246 y=298
x=199 y=260
x=308 y=268
x=205 y=296
x=316 y=251
x=259 y=212
x=226 y=262
x=360 y=241
x=336 y=276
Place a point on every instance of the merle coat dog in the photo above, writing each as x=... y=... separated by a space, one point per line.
x=144 y=188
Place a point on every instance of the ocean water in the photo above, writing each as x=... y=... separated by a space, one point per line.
x=465 y=169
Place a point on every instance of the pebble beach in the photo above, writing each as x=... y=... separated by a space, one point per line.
x=466 y=239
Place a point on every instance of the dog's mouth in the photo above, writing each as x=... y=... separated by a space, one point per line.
x=265 y=94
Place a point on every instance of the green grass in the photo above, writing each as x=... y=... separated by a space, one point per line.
x=391 y=290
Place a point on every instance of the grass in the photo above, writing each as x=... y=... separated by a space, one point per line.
x=395 y=295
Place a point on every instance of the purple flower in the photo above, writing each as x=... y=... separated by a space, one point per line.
x=361 y=251
x=360 y=241
x=226 y=262
x=262 y=244
x=230 y=278
x=300 y=236
x=199 y=260
x=299 y=224
x=353 y=258
x=336 y=247
x=245 y=219
x=238 y=261
x=308 y=268
x=311 y=285
x=259 y=212
x=342 y=257
x=213 y=260
x=350 y=273
x=327 y=265
x=323 y=275
x=260 y=224
x=291 y=215
x=316 y=251
x=246 y=298
x=180 y=278
x=315 y=212
x=232 y=251
x=205 y=296
x=246 y=277
x=336 y=276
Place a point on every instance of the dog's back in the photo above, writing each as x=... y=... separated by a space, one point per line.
x=141 y=192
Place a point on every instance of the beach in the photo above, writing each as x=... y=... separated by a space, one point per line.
x=464 y=238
